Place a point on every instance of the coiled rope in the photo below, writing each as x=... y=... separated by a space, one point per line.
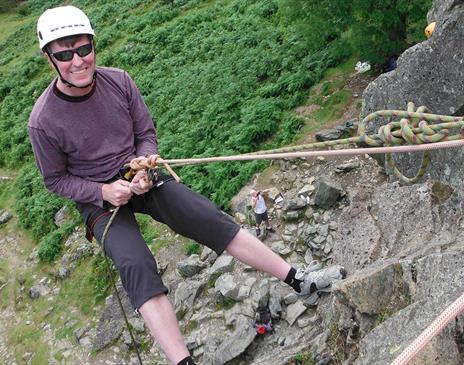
x=414 y=131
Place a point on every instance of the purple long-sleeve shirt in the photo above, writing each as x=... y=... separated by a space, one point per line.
x=81 y=142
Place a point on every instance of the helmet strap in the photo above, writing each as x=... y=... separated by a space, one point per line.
x=63 y=80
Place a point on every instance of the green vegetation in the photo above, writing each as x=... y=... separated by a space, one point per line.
x=304 y=358
x=28 y=338
x=191 y=248
x=219 y=77
x=147 y=228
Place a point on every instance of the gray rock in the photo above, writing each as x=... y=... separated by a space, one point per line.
x=273 y=193
x=5 y=216
x=227 y=286
x=425 y=76
x=308 y=257
x=240 y=217
x=191 y=266
x=63 y=273
x=326 y=194
x=84 y=249
x=137 y=324
x=293 y=215
x=290 y=298
x=274 y=303
x=61 y=216
x=38 y=290
x=346 y=167
x=306 y=190
x=223 y=264
x=332 y=134
x=208 y=255
x=374 y=290
x=111 y=323
x=294 y=311
x=186 y=293
x=261 y=296
x=236 y=343
x=80 y=332
x=293 y=204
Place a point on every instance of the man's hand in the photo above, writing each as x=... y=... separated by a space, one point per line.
x=117 y=193
x=140 y=183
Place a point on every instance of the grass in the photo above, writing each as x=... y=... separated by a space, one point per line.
x=303 y=358
x=25 y=338
x=148 y=229
x=6 y=191
x=191 y=248
x=6 y=292
x=9 y=23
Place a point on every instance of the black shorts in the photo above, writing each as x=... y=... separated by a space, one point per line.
x=259 y=217
x=183 y=210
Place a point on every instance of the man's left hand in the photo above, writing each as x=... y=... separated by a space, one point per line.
x=140 y=183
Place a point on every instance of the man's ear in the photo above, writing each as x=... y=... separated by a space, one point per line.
x=47 y=57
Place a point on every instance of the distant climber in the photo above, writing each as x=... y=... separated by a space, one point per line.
x=390 y=65
x=429 y=29
x=259 y=206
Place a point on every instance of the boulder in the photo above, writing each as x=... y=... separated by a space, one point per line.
x=326 y=194
x=426 y=75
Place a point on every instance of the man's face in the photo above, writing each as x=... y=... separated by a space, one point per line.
x=79 y=70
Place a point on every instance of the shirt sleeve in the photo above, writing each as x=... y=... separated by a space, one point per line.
x=52 y=162
x=144 y=129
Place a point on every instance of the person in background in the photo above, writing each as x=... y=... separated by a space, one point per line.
x=259 y=207
x=85 y=127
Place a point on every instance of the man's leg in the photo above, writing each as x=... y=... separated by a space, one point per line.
x=160 y=318
x=251 y=251
x=137 y=268
x=258 y=220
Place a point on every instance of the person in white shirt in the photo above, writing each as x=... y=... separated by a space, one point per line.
x=259 y=206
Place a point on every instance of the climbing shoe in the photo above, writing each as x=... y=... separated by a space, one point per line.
x=315 y=280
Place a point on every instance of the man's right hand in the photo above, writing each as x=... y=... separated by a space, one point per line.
x=117 y=193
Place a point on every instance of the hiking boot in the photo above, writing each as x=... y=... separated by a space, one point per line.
x=258 y=232
x=316 y=280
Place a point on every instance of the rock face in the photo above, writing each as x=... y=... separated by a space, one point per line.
x=432 y=74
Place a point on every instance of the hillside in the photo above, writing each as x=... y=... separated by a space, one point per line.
x=224 y=77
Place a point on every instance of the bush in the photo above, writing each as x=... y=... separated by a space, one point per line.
x=51 y=245
x=191 y=248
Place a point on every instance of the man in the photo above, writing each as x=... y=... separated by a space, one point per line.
x=87 y=124
x=259 y=206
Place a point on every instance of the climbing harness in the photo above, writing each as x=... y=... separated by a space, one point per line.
x=414 y=131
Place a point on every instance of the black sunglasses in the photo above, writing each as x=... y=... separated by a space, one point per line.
x=67 y=55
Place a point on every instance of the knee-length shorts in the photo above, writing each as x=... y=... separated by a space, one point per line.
x=183 y=210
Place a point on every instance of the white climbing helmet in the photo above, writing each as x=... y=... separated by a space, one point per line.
x=60 y=22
